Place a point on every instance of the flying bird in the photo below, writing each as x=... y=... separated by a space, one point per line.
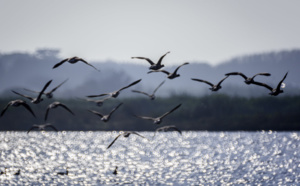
x=151 y=96
x=274 y=91
x=158 y=120
x=213 y=87
x=105 y=118
x=50 y=93
x=170 y=75
x=17 y=103
x=248 y=80
x=153 y=66
x=117 y=92
x=39 y=98
x=167 y=128
x=99 y=102
x=55 y=105
x=73 y=60
x=126 y=135
x=42 y=127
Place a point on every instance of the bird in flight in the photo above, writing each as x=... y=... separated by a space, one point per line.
x=213 y=87
x=151 y=96
x=170 y=75
x=73 y=60
x=153 y=66
x=42 y=127
x=167 y=128
x=39 y=98
x=55 y=105
x=158 y=120
x=17 y=103
x=248 y=80
x=117 y=92
x=103 y=117
x=124 y=134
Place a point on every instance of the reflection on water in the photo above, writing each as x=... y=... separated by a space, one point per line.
x=213 y=158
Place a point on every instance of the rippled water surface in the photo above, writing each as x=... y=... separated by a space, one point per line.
x=205 y=158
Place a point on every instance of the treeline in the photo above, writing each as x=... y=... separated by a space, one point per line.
x=216 y=112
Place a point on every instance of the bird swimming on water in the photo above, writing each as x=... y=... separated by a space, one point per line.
x=106 y=118
x=64 y=173
x=39 y=98
x=151 y=96
x=248 y=80
x=42 y=127
x=170 y=75
x=213 y=87
x=73 y=60
x=55 y=105
x=124 y=134
x=158 y=120
x=154 y=66
x=17 y=103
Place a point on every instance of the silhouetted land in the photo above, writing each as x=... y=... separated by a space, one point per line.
x=216 y=112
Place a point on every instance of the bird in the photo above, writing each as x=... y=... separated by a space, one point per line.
x=55 y=105
x=151 y=96
x=170 y=75
x=117 y=92
x=248 y=80
x=3 y=172
x=153 y=66
x=167 y=128
x=42 y=127
x=17 y=173
x=124 y=134
x=73 y=60
x=116 y=171
x=274 y=91
x=64 y=173
x=106 y=118
x=17 y=103
x=50 y=93
x=98 y=102
x=39 y=98
x=213 y=87
x=158 y=120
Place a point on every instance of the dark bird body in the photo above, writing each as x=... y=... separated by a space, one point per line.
x=126 y=135
x=153 y=66
x=213 y=87
x=151 y=96
x=73 y=60
x=169 y=74
x=248 y=80
x=42 y=127
x=103 y=117
x=17 y=103
x=55 y=105
x=64 y=173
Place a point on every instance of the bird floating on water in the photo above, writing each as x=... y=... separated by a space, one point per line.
x=73 y=60
x=64 y=173
x=154 y=66
x=170 y=75
x=116 y=171
x=106 y=118
x=151 y=96
x=158 y=120
x=248 y=80
x=55 y=105
x=124 y=134
x=17 y=103
x=42 y=127
x=213 y=87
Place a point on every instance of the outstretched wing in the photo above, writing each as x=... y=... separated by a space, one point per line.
x=131 y=84
x=113 y=141
x=60 y=63
x=51 y=126
x=113 y=110
x=28 y=108
x=159 y=86
x=164 y=71
x=65 y=107
x=186 y=63
x=93 y=96
x=147 y=59
x=203 y=81
x=31 y=90
x=46 y=115
x=167 y=113
x=25 y=96
x=33 y=127
x=161 y=58
x=43 y=90
x=97 y=113
x=88 y=64
x=261 y=74
x=222 y=80
x=58 y=86
x=262 y=84
x=136 y=134
x=136 y=91
x=237 y=73
x=279 y=84
x=145 y=117
x=6 y=107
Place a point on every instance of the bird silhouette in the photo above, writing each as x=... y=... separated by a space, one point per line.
x=55 y=105
x=167 y=128
x=3 y=172
x=124 y=134
x=17 y=173
x=39 y=98
x=274 y=91
x=116 y=171
x=106 y=118
x=50 y=93
x=99 y=102
x=158 y=120
x=73 y=60
x=17 y=103
x=42 y=127
x=248 y=80
x=170 y=75
x=115 y=93
x=213 y=87
x=153 y=66
x=64 y=173
x=151 y=96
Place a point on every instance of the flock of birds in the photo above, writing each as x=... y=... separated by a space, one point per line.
x=154 y=67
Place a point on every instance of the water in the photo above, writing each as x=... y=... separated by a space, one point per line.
x=195 y=158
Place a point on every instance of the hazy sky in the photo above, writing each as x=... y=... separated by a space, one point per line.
x=211 y=31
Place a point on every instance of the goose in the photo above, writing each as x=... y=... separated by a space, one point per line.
x=50 y=93
x=73 y=60
x=55 y=105
x=153 y=66
x=39 y=98
x=42 y=127
x=170 y=75
x=64 y=173
x=248 y=80
x=124 y=134
x=105 y=118
x=158 y=120
x=151 y=96
x=213 y=87
x=116 y=171
x=167 y=128
x=17 y=103
x=117 y=92
x=274 y=91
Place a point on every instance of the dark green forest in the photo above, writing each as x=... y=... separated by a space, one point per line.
x=216 y=112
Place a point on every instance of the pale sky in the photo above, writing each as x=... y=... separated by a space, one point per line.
x=194 y=30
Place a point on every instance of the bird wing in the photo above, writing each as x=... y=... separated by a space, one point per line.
x=262 y=84
x=97 y=113
x=6 y=107
x=43 y=90
x=113 y=110
x=51 y=126
x=88 y=63
x=279 y=84
x=203 y=81
x=237 y=73
x=58 y=86
x=93 y=96
x=147 y=59
x=65 y=107
x=46 y=114
x=261 y=74
x=141 y=92
x=222 y=80
x=130 y=84
x=159 y=86
x=28 y=108
x=186 y=63
x=164 y=71
x=113 y=141
x=167 y=113
x=31 y=90
x=60 y=63
x=136 y=134
x=33 y=127
x=161 y=58
x=145 y=117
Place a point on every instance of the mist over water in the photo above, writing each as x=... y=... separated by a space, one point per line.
x=209 y=158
